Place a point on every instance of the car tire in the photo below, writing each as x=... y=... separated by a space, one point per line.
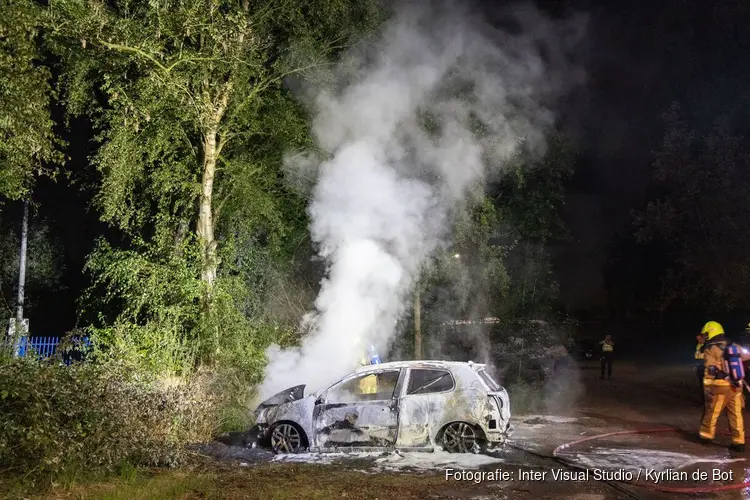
x=461 y=437
x=287 y=438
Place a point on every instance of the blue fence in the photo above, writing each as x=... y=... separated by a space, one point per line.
x=46 y=347
x=43 y=347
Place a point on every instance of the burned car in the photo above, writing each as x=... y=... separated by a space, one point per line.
x=415 y=405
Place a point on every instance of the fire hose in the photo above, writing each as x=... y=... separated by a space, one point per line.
x=654 y=487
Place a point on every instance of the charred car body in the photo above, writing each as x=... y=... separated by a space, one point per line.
x=414 y=405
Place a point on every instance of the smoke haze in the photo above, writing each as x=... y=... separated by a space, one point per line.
x=411 y=125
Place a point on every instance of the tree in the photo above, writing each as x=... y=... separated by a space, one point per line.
x=194 y=119
x=699 y=216
x=498 y=263
x=27 y=139
x=531 y=200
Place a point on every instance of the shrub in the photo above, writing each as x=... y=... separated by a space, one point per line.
x=525 y=397
x=54 y=419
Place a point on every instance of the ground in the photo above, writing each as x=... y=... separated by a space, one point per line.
x=638 y=397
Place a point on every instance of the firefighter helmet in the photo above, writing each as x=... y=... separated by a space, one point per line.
x=712 y=329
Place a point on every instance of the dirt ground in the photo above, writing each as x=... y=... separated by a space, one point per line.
x=638 y=397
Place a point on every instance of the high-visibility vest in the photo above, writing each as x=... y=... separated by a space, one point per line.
x=368 y=385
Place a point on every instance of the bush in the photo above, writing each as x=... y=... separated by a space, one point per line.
x=528 y=351
x=525 y=397
x=96 y=417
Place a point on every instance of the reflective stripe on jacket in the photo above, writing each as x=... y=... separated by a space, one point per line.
x=607 y=346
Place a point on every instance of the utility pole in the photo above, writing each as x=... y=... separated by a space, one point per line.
x=18 y=326
x=417 y=322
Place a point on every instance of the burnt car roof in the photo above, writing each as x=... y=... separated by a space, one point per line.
x=419 y=364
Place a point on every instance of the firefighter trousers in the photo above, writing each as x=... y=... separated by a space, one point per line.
x=719 y=397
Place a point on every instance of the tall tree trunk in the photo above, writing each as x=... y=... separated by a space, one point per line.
x=212 y=146
x=417 y=323
x=205 y=228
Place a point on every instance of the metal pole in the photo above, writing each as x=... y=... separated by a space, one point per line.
x=22 y=263
x=417 y=322
x=19 y=330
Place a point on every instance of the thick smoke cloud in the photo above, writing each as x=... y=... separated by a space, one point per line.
x=409 y=126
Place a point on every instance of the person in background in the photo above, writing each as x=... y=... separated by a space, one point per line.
x=369 y=384
x=699 y=368
x=608 y=350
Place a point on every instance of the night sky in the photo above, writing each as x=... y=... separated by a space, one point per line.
x=640 y=56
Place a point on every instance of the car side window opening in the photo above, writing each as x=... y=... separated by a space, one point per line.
x=422 y=381
x=371 y=387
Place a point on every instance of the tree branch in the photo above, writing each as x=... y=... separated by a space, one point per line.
x=191 y=59
x=133 y=50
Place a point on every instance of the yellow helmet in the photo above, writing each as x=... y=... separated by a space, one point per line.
x=712 y=329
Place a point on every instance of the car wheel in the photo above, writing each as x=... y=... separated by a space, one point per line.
x=460 y=437
x=286 y=438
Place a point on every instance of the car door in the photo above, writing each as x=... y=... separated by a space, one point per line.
x=360 y=411
x=421 y=407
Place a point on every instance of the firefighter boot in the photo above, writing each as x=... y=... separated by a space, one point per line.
x=703 y=440
x=740 y=448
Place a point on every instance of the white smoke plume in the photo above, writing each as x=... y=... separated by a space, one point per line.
x=411 y=124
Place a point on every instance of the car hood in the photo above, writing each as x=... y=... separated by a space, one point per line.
x=286 y=396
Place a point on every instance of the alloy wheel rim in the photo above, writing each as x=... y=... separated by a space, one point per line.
x=459 y=437
x=286 y=439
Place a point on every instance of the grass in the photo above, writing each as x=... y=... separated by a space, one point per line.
x=267 y=482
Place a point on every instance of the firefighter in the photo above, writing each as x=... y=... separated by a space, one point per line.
x=608 y=350
x=719 y=391
x=699 y=364
x=369 y=384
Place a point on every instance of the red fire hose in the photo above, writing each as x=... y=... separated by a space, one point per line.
x=642 y=484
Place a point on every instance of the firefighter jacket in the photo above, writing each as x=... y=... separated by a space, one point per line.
x=608 y=346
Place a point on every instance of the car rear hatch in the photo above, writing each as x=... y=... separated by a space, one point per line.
x=498 y=395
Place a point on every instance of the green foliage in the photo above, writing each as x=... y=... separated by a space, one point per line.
x=193 y=121
x=156 y=302
x=499 y=264
x=533 y=194
x=701 y=205
x=27 y=140
x=57 y=419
